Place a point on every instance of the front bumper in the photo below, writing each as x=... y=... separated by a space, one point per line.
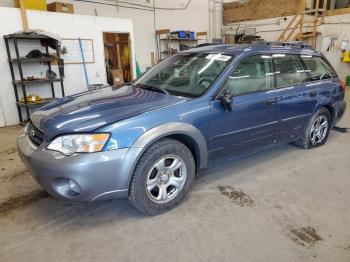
x=99 y=175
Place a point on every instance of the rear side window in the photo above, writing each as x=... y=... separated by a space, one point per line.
x=317 y=68
x=251 y=75
x=288 y=70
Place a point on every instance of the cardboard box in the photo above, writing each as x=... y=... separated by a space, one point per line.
x=118 y=77
x=61 y=7
x=33 y=4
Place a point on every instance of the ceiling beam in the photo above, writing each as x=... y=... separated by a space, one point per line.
x=23 y=15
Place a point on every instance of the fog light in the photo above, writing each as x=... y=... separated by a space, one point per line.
x=74 y=186
x=66 y=187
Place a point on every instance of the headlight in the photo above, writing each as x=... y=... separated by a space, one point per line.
x=80 y=143
x=25 y=129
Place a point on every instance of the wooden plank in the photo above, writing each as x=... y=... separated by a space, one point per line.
x=261 y=9
x=153 y=59
x=162 y=31
x=24 y=15
x=314 y=30
x=282 y=38
x=341 y=11
x=202 y=33
x=292 y=31
x=131 y=59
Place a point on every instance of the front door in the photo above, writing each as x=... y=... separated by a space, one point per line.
x=253 y=121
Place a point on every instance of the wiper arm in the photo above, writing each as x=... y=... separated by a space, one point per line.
x=153 y=88
x=130 y=84
x=156 y=89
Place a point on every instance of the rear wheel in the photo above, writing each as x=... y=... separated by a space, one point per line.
x=317 y=131
x=162 y=177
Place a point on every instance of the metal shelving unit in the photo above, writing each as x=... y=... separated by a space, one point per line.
x=18 y=62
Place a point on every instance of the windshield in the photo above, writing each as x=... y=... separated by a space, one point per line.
x=186 y=74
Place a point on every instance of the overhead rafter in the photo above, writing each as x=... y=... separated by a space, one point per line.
x=133 y=5
x=24 y=15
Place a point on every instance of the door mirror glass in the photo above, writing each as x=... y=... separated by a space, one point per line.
x=226 y=100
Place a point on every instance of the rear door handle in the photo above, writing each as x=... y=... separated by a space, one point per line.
x=313 y=93
x=270 y=102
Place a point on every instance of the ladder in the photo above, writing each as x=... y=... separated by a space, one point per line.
x=304 y=26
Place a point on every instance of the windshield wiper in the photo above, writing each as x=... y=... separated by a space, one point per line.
x=159 y=90
x=153 y=88
x=130 y=84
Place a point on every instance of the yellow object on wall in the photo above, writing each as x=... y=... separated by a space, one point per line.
x=346 y=57
x=33 y=4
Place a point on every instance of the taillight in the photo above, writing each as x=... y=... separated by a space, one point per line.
x=343 y=85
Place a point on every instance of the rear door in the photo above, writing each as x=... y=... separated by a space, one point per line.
x=252 y=123
x=297 y=98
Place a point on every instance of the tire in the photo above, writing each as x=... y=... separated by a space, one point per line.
x=162 y=177
x=308 y=141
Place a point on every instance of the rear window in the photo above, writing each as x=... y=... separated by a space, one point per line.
x=317 y=68
x=288 y=70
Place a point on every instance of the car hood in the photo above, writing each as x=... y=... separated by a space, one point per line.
x=85 y=112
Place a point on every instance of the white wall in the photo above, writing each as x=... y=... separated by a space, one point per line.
x=67 y=26
x=194 y=18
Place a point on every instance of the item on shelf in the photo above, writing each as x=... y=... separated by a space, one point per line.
x=36 y=53
x=61 y=7
x=190 y=35
x=178 y=34
x=51 y=74
x=31 y=99
x=183 y=34
x=31 y=78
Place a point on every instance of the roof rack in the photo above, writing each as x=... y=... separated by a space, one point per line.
x=295 y=44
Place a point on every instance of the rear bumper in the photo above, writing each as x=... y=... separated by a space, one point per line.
x=340 y=110
x=99 y=175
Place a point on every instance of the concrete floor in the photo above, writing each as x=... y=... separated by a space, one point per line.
x=286 y=204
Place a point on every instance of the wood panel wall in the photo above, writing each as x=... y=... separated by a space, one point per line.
x=261 y=9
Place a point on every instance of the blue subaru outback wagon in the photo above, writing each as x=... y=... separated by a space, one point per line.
x=146 y=140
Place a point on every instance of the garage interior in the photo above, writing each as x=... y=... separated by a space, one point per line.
x=283 y=204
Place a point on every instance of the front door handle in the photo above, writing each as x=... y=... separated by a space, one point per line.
x=313 y=93
x=270 y=102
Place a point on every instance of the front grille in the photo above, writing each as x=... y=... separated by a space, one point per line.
x=35 y=135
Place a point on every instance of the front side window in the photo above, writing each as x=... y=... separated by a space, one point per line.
x=187 y=74
x=288 y=70
x=251 y=75
x=317 y=68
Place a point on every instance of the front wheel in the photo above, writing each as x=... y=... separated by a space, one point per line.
x=317 y=131
x=162 y=177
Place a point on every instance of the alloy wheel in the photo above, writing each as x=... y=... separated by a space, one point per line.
x=319 y=130
x=166 y=179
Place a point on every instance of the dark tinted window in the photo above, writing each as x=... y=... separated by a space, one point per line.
x=317 y=68
x=288 y=70
x=251 y=75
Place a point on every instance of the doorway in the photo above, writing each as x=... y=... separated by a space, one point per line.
x=118 y=58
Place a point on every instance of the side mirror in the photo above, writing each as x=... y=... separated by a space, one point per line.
x=226 y=100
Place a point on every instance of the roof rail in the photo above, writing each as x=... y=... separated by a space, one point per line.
x=295 y=44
